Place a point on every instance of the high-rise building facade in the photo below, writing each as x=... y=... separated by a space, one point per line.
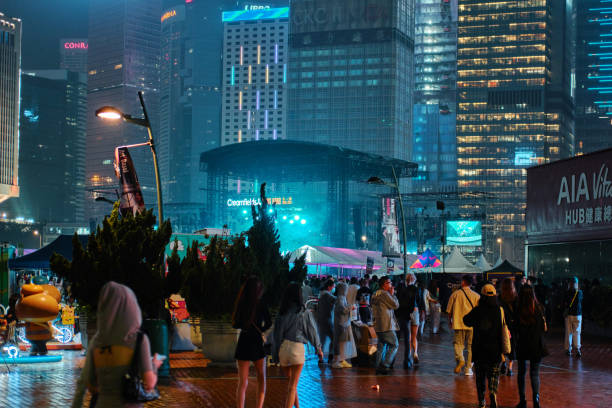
x=514 y=105
x=73 y=54
x=350 y=74
x=123 y=58
x=52 y=147
x=593 y=67
x=254 y=75
x=10 y=66
x=434 y=133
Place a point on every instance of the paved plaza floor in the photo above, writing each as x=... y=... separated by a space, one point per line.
x=566 y=382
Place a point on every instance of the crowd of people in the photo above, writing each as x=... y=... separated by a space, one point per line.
x=361 y=321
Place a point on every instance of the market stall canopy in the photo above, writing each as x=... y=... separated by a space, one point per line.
x=40 y=259
x=505 y=267
x=344 y=257
x=456 y=263
x=482 y=263
x=426 y=260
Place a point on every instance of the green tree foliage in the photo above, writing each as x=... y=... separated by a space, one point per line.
x=128 y=250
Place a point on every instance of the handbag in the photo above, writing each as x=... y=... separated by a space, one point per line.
x=505 y=334
x=266 y=344
x=132 y=386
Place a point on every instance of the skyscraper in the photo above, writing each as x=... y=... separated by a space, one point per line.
x=434 y=133
x=514 y=106
x=593 y=104
x=10 y=66
x=73 y=54
x=123 y=58
x=350 y=74
x=52 y=147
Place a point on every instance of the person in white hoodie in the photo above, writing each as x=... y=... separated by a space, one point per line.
x=344 y=343
x=384 y=303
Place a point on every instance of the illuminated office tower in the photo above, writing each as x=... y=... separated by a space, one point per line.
x=351 y=74
x=514 y=105
x=123 y=58
x=593 y=75
x=254 y=75
x=435 y=60
x=10 y=66
x=73 y=54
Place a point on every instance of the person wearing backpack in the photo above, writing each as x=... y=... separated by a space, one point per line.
x=460 y=303
x=573 y=318
x=487 y=321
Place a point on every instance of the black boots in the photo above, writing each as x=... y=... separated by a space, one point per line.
x=522 y=404
x=536 y=401
x=493 y=400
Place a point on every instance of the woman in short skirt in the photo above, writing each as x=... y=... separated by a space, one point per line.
x=293 y=328
x=252 y=317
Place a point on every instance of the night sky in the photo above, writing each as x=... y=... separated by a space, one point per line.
x=44 y=23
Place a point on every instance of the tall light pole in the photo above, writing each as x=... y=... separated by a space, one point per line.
x=112 y=113
x=499 y=241
x=37 y=233
x=395 y=185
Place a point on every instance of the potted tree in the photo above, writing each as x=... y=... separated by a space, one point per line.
x=127 y=250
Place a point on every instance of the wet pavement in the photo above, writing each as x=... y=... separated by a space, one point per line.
x=566 y=382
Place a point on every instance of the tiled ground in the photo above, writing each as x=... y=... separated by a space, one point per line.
x=566 y=382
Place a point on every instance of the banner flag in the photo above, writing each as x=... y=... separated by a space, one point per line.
x=131 y=195
x=390 y=230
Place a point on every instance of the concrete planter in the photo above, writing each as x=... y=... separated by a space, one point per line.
x=219 y=341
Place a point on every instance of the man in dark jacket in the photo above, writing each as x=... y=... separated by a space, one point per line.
x=325 y=308
x=407 y=297
x=572 y=306
x=486 y=321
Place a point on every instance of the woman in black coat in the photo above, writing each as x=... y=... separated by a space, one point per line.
x=530 y=329
x=508 y=301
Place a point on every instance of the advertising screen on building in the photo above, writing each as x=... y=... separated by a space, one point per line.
x=464 y=233
x=570 y=200
x=335 y=15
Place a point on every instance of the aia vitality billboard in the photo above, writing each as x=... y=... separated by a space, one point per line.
x=570 y=200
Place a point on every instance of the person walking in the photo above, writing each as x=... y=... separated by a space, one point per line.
x=435 y=309
x=251 y=316
x=344 y=342
x=487 y=320
x=293 y=328
x=508 y=301
x=423 y=306
x=530 y=329
x=572 y=307
x=407 y=298
x=384 y=303
x=112 y=349
x=325 y=309
x=460 y=303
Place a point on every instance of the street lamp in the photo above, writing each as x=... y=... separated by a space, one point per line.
x=112 y=113
x=104 y=199
x=364 y=239
x=499 y=241
x=379 y=181
x=37 y=233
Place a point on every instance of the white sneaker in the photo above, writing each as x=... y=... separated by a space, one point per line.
x=469 y=372
x=337 y=365
x=345 y=364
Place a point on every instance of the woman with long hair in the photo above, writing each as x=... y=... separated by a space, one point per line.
x=293 y=328
x=112 y=349
x=530 y=329
x=251 y=316
x=507 y=301
x=433 y=298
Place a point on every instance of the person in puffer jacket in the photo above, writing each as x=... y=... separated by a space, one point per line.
x=384 y=303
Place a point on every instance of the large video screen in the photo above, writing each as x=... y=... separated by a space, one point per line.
x=465 y=233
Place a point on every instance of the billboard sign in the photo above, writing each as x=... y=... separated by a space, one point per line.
x=464 y=233
x=131 y=194
x=335 y=15
x=390 y=231
x=570 y=200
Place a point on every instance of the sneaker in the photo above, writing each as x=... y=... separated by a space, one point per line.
x=459 y=366
x=509 y=373
x=578 y=353
x=469 y=372
x=345 y=364
x=336 y=365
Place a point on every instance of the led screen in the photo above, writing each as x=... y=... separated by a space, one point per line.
x=466 y=233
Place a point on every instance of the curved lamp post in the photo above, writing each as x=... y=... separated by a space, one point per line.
x=112 y=113
x=395 y=185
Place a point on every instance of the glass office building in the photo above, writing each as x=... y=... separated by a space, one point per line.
x=514 y=107
x=52 y=147
x=10 y=66
x=123 y=58
x=350 y=74
x=435 y=55
x=593 y=73
x=73 y=54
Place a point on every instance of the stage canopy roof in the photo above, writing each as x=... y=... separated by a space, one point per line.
x=291 y=161
x=505 y=267
x=482 y=263
x=40 y=259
